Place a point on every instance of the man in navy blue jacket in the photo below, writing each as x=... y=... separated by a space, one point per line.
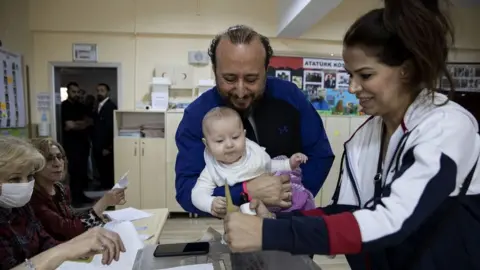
x=275 y=114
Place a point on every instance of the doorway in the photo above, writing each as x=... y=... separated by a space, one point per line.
x=87 y=76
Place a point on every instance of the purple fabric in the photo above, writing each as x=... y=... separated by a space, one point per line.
x=302 y=199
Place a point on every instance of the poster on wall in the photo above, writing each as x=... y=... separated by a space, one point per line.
x=12 y=102
x=466 y=77
x=324 y=82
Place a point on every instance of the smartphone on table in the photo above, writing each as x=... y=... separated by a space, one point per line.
x=182 y=249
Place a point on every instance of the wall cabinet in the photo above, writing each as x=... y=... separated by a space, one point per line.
x=139 y=147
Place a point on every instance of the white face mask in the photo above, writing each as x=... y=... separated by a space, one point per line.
x=16 y=194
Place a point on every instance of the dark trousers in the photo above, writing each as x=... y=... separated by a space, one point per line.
x=105 y=169
x=77 y=155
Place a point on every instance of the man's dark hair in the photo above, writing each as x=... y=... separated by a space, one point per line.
x=240 y=34
x=105 y=85
x=70 y=84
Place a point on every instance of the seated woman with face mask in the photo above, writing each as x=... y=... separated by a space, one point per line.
x=51 y=199
x=23 y=241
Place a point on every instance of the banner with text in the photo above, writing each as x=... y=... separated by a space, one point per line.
x=324 y=82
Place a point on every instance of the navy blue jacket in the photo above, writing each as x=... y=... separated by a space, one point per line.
x=286 y=123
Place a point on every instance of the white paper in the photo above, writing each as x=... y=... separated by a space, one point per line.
x=123 y=182
x=132 y=243
x=127 y=214
x=159 y=100
x=145 y=237
x=205 y=266
x=43 y=102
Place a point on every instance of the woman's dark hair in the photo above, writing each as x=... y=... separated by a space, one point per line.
x=415 y=30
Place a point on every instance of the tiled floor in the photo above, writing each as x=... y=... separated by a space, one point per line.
x=186 y=230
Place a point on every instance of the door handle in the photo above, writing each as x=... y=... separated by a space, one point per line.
x=143 y=149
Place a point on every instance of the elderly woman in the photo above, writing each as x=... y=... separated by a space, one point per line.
x=24 y=244
x=51 y=199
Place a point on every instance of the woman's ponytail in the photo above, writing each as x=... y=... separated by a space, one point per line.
x=426 y=33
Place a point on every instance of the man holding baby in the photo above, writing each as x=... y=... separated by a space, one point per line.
x=278 y=139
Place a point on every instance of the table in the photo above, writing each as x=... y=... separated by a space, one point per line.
x=220 y=257
x=154 y=224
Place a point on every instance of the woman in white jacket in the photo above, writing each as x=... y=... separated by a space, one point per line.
x=408 y=192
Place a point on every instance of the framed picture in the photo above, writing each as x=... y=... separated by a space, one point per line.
x=465 y=76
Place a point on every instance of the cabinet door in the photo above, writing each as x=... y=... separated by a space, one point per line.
x=172 y=204
x=152 y=172
x=338 y=131
x=173 y=120
x=318 y=198
x=127 y=158
x=356 y=122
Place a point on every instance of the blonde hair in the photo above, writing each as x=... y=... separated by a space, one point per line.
x=18 y=155
x=218 y=113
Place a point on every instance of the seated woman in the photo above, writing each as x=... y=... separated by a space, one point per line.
x=23 y=241
x=51 y=199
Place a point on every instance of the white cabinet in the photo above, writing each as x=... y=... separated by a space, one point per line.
x=172 y=122
x=338 y=131
x=143 y=156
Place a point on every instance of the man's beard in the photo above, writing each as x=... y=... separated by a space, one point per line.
x=227 y=99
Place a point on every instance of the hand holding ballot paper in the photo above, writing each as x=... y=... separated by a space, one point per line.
x=116 y=196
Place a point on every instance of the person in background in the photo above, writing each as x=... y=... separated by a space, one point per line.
x=75 y=124
x=275 y=115
x=82 y=94
x=51 y=199
x=408 y=196
x=24 y=244
x=102 y=137
x=231 y=158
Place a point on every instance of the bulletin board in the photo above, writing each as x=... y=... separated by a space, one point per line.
x=324 y=82
x=12 y=99
x=466 y=77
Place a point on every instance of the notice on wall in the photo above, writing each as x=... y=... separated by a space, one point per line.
x=43 y=102
x=324 y=82
x=466 y=77
x=12 y=101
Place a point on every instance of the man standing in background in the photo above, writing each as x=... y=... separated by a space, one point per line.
x=102 y=137
x=75 y=123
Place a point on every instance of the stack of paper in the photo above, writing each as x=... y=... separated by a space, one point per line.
x=127 y=214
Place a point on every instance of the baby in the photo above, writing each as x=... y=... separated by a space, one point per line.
x=231 y=158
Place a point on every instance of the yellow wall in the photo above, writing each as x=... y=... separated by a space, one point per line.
x=141 y=34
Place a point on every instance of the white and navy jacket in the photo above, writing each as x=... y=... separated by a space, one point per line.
x=420 y=209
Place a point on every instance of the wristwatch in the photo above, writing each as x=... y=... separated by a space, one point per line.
x=29 y=265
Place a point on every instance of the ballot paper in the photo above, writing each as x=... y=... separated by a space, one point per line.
x=122 y=182
x=145 y=237
x=205 y=266
x=127 y=214
x=127 y=232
